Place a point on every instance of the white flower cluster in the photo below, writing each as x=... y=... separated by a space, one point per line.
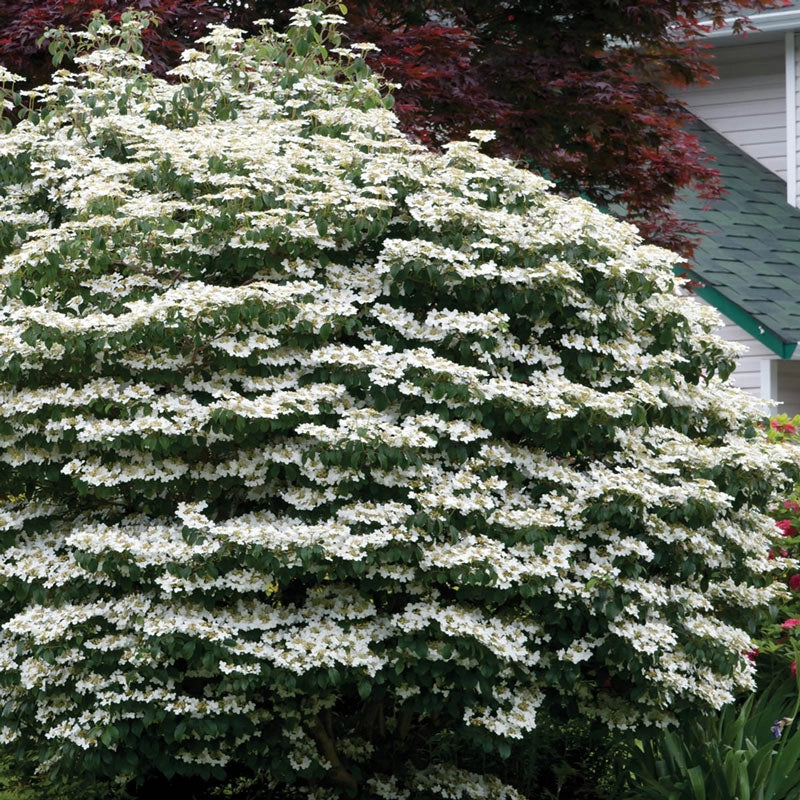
x=290 y=408
x=453 y=783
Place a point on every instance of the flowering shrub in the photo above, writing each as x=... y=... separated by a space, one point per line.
x=783 y=429
x=779 y=640
x=329 y=445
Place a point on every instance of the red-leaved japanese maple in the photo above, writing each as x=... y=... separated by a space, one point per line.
x=578 y=90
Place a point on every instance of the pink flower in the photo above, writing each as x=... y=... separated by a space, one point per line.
x=771 y=555
x=790 y=623
x=792 y=505
x=786 y=527
x=752 y=654
x=785 y=427
x=794 y=582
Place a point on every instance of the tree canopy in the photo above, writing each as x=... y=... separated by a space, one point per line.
x=24 y=23
x=577 y=90
x=329 y=450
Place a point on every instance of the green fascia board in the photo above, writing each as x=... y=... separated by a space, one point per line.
x=741 y=318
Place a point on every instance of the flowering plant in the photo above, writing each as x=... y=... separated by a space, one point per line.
x=329 y=445
x=750 y=749
x=783 y=428
x=778 y=638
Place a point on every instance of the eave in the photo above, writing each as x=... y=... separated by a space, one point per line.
x=767 y=22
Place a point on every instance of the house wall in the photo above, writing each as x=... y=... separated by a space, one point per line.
x=747 y=104
x=789 y=387
x=748 y=375
x=755 y=104
x=762 y=373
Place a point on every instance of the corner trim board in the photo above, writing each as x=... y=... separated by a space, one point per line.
x=790 y=65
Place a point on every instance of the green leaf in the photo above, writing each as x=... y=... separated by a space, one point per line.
x=697 y=780
x=364 y=689
x=109 y=735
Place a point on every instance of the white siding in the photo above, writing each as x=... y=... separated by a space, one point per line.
x=748 y=103
x=748 y=367
x=759 y=368
x=749 y=375
x=789 y=387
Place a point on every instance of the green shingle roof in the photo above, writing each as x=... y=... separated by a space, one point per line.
x=749 y=253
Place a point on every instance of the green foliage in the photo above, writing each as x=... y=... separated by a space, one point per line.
x=733 y=755
x=563 y=759
x=779 y=635
x=783 y=429
x=127 y=36
x=336 y=454
x=18 y=782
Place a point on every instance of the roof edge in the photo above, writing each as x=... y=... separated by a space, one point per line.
x=766 y=22
x=745 y=321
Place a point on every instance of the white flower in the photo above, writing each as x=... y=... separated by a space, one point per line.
x=482 y=136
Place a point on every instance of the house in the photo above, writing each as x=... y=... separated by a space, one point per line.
x=748 y=260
